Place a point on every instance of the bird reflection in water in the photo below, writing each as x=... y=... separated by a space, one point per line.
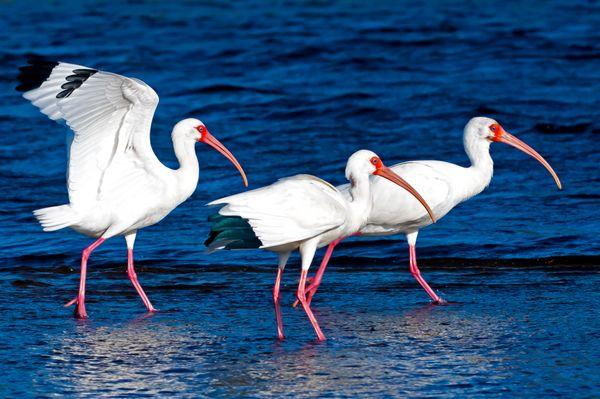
x=140 y=356
x=424 y=347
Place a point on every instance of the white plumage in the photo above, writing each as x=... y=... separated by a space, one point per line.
x=111 y=162
x=116 y=183
x=289 y=211
x=300 y=212
x=443 y=185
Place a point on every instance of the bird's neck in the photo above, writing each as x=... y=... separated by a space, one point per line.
x=188 y=171
x=361 y=202
x=482 y=165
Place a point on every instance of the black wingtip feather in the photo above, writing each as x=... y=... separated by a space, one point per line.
x=33 y=75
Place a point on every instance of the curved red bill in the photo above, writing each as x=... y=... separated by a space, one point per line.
x=216 y=144
x=387 y=173
x=504 y=137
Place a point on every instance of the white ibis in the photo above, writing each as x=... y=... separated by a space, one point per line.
x=444 y=185
x=116 y=183
x=300 y=212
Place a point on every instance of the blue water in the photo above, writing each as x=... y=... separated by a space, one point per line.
x=291 y=89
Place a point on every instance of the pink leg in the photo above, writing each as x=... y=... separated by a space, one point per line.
x=276 y=303
x=301 y=294
x=316 y=281
x=80 y=312
x=133 y=277
x=414 y=269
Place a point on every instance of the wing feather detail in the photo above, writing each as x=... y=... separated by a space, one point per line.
x=290 y=210
x=110 y=116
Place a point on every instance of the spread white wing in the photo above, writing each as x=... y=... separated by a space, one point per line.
x=292 y=209
x=110 y=116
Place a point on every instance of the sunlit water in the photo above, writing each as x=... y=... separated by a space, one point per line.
x=295 y=89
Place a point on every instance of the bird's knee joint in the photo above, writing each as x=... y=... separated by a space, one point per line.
x=301 y=298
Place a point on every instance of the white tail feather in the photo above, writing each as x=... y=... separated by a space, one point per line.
x=56 y=217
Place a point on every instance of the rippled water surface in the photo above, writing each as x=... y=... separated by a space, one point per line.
x=293 y=88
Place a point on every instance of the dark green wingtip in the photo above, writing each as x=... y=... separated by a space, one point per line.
x=230 y=232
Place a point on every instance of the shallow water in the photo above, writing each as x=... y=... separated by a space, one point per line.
x=296 y=89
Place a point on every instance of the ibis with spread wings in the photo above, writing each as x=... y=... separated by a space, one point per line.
x=116 y=183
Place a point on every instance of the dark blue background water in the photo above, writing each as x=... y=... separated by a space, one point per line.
x=295 y=88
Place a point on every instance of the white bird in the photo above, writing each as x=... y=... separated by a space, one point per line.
x=444 y=185
x=116 y=183
x=300 y=212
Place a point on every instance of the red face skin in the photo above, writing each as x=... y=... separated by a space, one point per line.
x=497 y=130
x=377 y=162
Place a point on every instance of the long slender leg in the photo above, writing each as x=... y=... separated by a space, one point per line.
x=307 y=252
x=283 y=258
x=314 y=286
x=80 y=312
x=316 y=281
x=414 y=269
x=130 y=239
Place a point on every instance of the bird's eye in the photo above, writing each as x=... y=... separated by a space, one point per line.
x=200 y=129
x=375 y=161
x=494 y=128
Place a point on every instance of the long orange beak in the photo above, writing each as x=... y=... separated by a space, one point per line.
x=386 y=172
x=504 y=137
x=216 y=144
